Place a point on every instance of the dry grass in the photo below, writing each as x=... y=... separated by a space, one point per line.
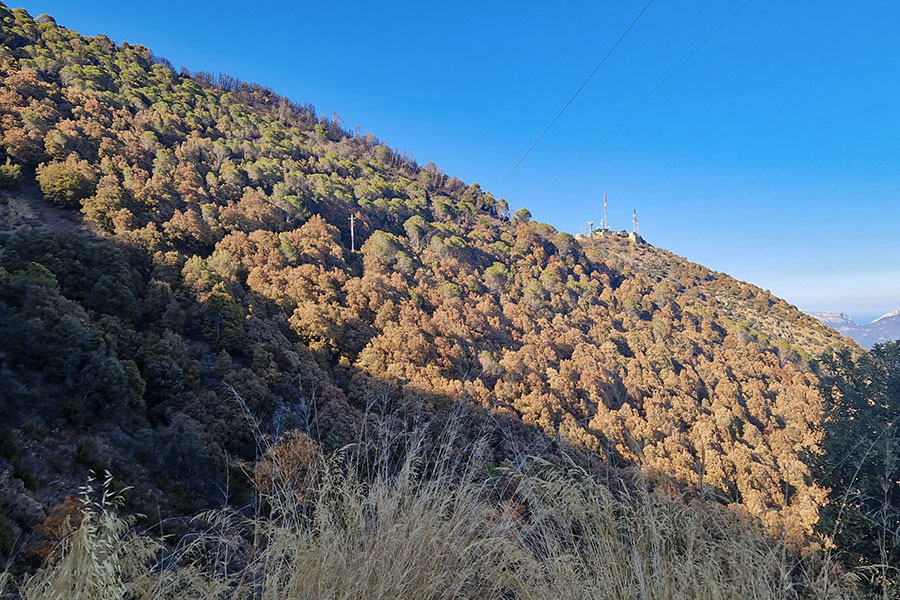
x=594 y=542
x=433 y=526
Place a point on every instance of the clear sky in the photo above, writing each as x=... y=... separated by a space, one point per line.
x=773 y=155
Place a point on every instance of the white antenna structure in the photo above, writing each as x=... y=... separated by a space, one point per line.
x=604 y=224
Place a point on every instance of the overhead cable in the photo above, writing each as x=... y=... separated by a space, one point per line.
x=578 y=91
x=652 y=91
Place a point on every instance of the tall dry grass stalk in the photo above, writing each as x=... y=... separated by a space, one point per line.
x=104 y=558
x=593 y=541
x=432 y=524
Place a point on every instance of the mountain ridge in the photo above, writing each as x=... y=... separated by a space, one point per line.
x=878 y=331
x=176 y=253
x=893 y=313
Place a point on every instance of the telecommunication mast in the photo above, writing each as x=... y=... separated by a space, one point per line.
x=604 y=224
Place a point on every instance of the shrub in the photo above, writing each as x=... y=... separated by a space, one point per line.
x=10 y=176
x=21 y=470
x=450 y=290
x=496 y=276
x=67 y=183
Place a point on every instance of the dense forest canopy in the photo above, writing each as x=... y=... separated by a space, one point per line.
x=176 y=247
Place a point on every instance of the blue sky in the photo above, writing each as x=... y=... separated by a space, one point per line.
x=773 y=155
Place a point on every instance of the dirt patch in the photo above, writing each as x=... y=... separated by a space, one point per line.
x=27 y=208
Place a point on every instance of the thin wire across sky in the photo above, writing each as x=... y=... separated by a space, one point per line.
x=662 y=82
x=578 y=91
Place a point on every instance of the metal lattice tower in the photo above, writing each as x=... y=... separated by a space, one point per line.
x=634 y=219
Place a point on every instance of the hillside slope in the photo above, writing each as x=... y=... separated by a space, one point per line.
x=174 y=242
x=761 y=315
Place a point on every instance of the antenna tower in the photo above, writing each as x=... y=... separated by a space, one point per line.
x=604 y=224
x=634 y=219
x=590 y=225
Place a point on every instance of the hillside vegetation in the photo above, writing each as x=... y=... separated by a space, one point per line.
x=176 y=255
x=761 y=316
x=441 y=532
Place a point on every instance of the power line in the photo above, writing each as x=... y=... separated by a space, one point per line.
x=578 y=91
x=656 y=87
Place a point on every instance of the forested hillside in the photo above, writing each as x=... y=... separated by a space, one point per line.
x=176 y=248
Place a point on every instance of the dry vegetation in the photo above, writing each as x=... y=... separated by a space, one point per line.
x=761 y=315
x=170 y=241
x=433 y=526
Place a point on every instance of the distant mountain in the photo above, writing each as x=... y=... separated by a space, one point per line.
x=835 y=320
x=883 y=329
x=840 y=322
x=891 y=315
